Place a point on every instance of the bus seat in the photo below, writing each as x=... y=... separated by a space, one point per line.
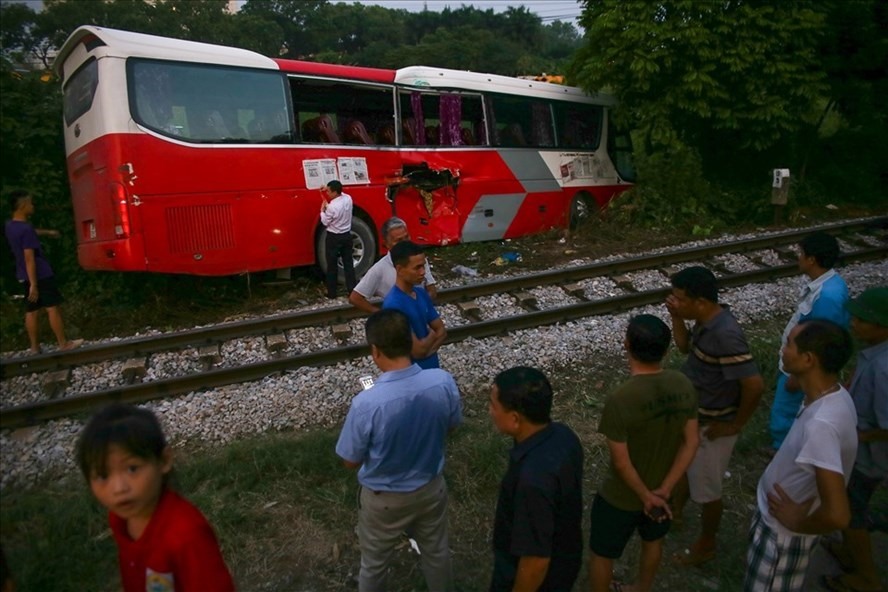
x=386 y=135
x=467 y=137
x=320 y=129
x=356 y=133
x=512 y=135
x=408 y=136
x=433 y=135
x=481 y=133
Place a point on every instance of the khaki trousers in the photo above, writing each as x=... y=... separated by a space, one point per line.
x=384 y=516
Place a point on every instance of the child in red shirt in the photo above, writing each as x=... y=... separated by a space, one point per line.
x=164 y=543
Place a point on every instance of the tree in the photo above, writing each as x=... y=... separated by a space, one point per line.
x=292 y=17
x=719 y=76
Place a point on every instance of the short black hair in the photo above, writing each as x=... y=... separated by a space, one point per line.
x=389 y=330
x=697 y=282
x=335 y=186
x=134 y=429
x=829 y=342
x=527 y=391
x=823 y=247
x=648 y=338
x=403 y=251
x=16 y=197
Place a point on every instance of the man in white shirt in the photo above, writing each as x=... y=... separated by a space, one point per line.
x=380 y=278
x=336 y=216
x=802 y=491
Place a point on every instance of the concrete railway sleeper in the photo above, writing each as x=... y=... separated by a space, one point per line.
x=529 y=310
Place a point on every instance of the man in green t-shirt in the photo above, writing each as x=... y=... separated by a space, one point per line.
x=650 y=423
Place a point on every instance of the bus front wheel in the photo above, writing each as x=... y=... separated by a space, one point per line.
x=363 y=248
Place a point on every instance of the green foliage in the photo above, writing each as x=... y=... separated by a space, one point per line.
x=673 y=192
x=688 y=69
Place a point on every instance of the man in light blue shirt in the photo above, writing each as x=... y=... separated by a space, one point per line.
x=395 y=435
x=822 y=297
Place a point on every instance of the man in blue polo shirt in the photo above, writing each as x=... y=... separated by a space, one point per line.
x=537 y=532
x=409 y=297
x=395 y=435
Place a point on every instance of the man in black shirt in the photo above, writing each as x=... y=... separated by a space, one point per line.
x=537 y=534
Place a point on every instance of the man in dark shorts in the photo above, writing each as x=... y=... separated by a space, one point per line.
x=34 y=272
x=650 y=423
x=537 y=532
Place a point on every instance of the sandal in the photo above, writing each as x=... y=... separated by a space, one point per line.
x=688 y=558
x=839 y=584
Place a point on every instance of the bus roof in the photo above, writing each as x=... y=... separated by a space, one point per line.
x=124 y=44
x=425 y=76
x=337 y=71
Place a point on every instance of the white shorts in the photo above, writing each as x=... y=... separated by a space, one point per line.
x=709 y=465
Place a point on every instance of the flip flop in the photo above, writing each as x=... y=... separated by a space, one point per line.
x=687 y=558
x=838 y=584
x=832 y=547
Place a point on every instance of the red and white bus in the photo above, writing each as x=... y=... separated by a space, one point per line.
x=192 y=158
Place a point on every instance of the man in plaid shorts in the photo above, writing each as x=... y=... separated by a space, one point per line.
x=802 y=491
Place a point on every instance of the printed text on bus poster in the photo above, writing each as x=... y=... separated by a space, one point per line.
x=348 y=171
x=319 y=172
x=353 y=171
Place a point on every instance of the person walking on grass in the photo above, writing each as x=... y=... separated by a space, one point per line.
x=823 y=297
x=34 y=272
x=380 y=278
x=395 y=434
x=729 y=388
x=802 y=493
x=537 y=531
x=650 y=423
x=336 y=216
x=869 y=391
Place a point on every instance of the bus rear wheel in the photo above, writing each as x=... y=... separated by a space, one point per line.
x=363 y=249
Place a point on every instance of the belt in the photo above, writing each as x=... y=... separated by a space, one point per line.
x=716 y=413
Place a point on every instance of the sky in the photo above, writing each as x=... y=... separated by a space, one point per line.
x=547 y=10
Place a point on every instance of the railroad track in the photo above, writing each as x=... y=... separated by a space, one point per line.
x=34 y=412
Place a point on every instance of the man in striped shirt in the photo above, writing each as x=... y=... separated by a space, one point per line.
x=729 y=388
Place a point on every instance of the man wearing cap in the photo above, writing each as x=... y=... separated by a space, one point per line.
x=869 y=391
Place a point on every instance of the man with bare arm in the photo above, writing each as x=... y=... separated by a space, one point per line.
x=34 y=272
x=729 y=388
x=380 y=278
x=802 y=492
x=650 y=423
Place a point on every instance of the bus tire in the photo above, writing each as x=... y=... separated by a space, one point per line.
x=363 y=248
x=580 y=211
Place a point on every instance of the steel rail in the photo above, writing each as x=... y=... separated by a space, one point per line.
x=143 y=346
x=30 y=413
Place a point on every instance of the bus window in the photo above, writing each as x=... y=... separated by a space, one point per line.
x=442 y=119
x=204 y=104
x=619 y=147
x=578 y=125
x=521 y=121
x=339 y=112
x=80 y=91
